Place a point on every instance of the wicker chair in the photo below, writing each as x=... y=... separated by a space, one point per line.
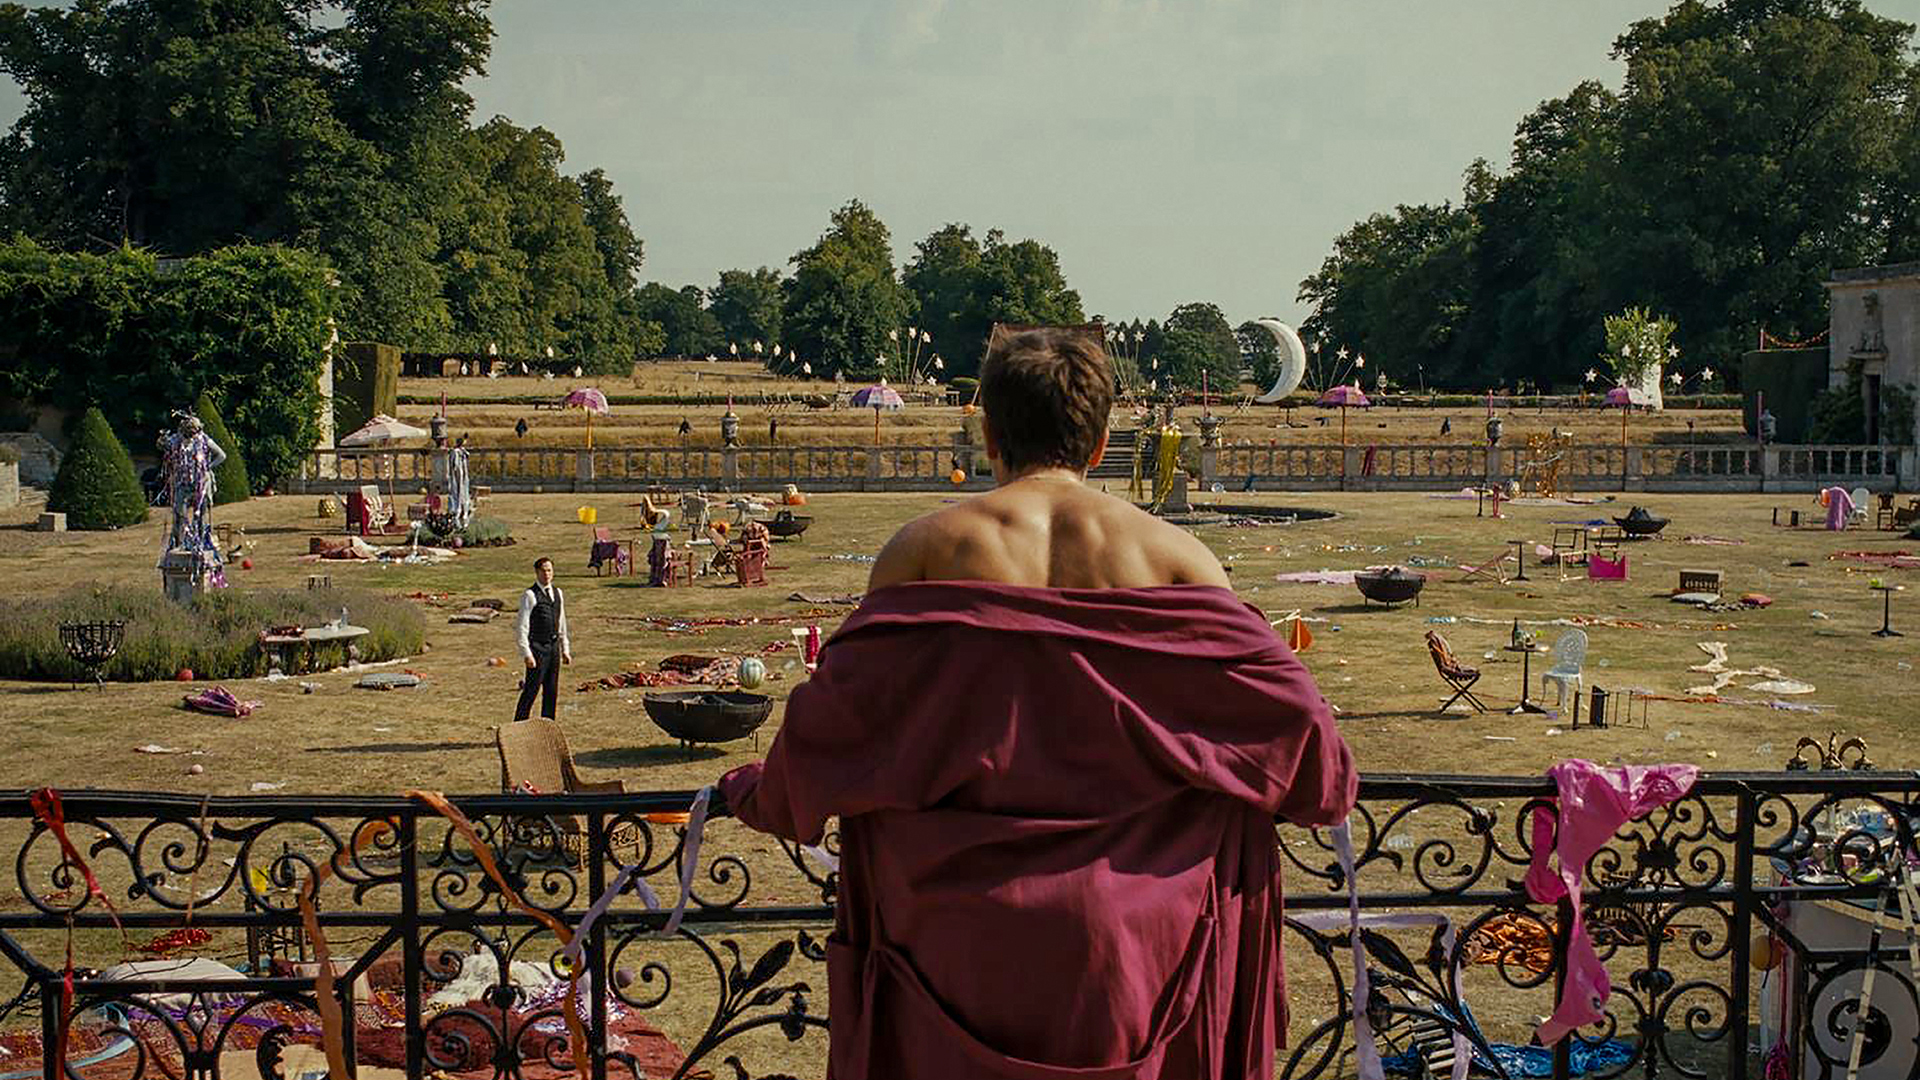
x=534 y=759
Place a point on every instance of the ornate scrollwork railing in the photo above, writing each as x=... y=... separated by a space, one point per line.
x=1459 y=958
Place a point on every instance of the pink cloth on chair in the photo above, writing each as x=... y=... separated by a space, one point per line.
x=1594 y=803
x=1839 y=509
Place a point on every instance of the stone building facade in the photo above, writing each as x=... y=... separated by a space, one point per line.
x=1874 y=333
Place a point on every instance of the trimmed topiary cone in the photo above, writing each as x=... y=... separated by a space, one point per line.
x=230 y=480
x=96 y=487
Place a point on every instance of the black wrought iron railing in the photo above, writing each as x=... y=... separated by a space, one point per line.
x=1736 y=925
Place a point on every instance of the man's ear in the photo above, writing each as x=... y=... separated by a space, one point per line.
x=1099 y=451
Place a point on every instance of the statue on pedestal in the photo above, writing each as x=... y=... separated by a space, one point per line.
x=191 y=562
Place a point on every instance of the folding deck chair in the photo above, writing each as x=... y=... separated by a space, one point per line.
x=1493 y=569
x=1458 y=677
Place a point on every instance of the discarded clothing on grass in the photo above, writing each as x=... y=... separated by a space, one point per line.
x=1713 y=540
x=1892 y=560
x=702 y=625
x=849 y=599
x=683 y=669
x=1775 y=682
x=218 y=701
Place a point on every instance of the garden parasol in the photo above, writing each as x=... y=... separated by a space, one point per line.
x=593 y=401
x=877 y=398
x=380 y=431
x=1624 y=398
x=1345 y=397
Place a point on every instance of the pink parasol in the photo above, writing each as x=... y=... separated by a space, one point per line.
x=1624 y=399
x=1344 y=398
x=877 y=398
x=593 y=401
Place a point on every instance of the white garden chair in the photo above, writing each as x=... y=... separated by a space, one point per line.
x=1861 y=498
x=1563 y=669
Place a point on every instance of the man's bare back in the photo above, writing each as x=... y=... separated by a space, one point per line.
x=1046 y=529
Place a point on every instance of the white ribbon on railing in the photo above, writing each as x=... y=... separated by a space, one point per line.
x=1366 y=1054
x=630 y=877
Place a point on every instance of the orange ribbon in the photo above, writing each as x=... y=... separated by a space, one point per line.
x=331 y=1018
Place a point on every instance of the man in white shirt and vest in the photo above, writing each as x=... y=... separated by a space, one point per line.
x=542 y=636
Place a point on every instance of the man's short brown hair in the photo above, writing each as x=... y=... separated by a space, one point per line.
x=1047 y=392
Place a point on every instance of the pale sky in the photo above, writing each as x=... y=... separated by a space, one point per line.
x=1168 y=150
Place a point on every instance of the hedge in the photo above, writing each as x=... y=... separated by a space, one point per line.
x=247 y=324
x=217 y=636
x=230 y=480
x=96 y=486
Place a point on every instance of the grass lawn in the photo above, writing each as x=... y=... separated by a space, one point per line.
x=490 y=424
x=1371 y=662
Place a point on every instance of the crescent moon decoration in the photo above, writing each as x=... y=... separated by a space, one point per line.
x=1293 y=361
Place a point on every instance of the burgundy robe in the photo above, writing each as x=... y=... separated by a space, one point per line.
x=1056 y=813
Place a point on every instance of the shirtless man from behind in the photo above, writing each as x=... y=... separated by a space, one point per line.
x=1041 y=525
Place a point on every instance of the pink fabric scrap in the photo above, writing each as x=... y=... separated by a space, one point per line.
x=1593 y=803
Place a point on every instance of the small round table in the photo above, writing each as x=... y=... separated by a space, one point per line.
x=1519 y=557
x=1526 y=680
x=1886 y=610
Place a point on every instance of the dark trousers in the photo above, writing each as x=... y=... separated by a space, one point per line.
x=543 y=678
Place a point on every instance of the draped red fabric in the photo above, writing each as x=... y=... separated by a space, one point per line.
x=1056 y=816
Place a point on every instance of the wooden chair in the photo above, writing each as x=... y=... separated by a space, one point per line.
x=534 y=759
x=750 y=561
x=1905 y=516
x=1493 y=570
x=606 y=551
x=1458 y=677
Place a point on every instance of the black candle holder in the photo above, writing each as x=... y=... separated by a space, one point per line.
x=92 y=644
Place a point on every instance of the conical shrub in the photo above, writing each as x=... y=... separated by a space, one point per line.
x=96 y=487
x=230 y=480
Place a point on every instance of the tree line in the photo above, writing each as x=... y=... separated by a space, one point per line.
x=1754 y=147
x=183 y=127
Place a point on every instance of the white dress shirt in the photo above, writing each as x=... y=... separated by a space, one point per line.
x=527 y=601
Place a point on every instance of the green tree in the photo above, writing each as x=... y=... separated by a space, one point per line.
x=689 y=329
x=1397 y=289
x=230 y=480
x=842 y=298
x=1637 y=342
x=961 y=287
x=1751 y=133
x=943 y=279
x=1197 y=338
x=96 y=487
x=1259 y=353
x=746 y=305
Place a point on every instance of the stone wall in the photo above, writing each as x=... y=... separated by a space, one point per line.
x=39 y=459
x=9 y=484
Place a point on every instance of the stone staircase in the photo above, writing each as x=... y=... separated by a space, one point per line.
x=1118 y=462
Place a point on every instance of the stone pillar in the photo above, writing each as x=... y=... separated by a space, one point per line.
x=1769 y=469
x=1177 y=501
x=730 y=468
x=582 y=469
x=1209 y=465
x=1351 y=458
x=1635 y=478
x=186 y=574
x=872 y=482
